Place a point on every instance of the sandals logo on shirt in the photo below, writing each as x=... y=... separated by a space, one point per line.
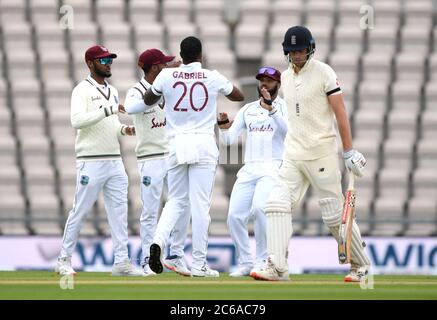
x=147 y=181
x=84 y=180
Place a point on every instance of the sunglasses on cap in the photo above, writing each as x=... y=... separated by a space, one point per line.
x=105 y=61
x=269 y=70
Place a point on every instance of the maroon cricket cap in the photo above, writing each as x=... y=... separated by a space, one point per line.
x=270 y=72
x=151 y=57
x=97 y=52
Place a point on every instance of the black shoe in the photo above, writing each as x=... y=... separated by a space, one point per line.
x=155 y=258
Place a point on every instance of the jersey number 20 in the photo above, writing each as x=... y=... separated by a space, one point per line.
x=184 y=86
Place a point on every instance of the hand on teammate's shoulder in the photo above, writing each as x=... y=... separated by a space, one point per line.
x=121 y=108
x=175 y=63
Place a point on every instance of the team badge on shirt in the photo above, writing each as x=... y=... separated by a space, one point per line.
x=84 y=180
x=147 y=181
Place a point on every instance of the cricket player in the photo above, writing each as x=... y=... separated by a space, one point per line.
x=265 y=123
x=94 y=108
x=190 y=94
x=314 y=101
x=152 y=155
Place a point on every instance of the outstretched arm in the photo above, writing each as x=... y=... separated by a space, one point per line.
x=235 y=95
x=233 y=129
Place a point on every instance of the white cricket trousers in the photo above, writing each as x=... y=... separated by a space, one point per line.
x=247 y=203
x=153 y=173
x=93 y=177
x=189 y=185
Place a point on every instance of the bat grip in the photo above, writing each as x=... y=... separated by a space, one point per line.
x=351 y=180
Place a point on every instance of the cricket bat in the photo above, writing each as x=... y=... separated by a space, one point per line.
x=347 y=218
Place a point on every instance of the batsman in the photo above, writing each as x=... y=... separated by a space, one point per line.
x=315 y=101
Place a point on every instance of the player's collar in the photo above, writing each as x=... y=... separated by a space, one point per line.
x=95 y=83
x=192 y=65
x=144 y=82
x=307 y=66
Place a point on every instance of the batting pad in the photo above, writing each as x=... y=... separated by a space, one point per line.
x=332 y=210
x=359 y=256
x=279 y=231
x=331 y=214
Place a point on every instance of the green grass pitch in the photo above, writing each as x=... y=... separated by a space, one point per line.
x=170 y=286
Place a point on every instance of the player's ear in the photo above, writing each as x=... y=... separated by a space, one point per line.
x=89 y=64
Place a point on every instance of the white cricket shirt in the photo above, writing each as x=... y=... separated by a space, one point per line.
x=311 y=134
x=97 y=134
x=265 y=133
x=149 y=123
x=190 y=94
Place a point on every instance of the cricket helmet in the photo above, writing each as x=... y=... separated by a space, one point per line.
x=298 y=38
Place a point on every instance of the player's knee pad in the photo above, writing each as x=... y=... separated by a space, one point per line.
x=279 y=200
x=332 y=209
x=275 y=205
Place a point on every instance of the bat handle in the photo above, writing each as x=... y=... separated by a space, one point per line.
x=351 y=180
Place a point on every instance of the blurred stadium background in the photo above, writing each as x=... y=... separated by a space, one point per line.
x=388 y=74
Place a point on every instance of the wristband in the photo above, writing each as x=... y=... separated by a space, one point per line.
x=268 y=102
x=221 y=122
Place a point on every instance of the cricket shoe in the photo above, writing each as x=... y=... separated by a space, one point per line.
x=178 y=265
x=261 y=264
x=356 y=274
x=242 y=271
x=64 y=268
x=205 y=271
x=126 y=269
x=270 y=273
x=146 y=268
x=155 y=263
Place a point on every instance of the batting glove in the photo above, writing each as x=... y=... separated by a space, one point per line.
x=354 y=162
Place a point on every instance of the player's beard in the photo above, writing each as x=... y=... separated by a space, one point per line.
x=104 y=74
x=100 y=72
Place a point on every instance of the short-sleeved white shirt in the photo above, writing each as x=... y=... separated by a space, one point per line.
x=311 y=134
x=190 y=93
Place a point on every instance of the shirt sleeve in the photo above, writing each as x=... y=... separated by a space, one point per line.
x=224 y=85
x=158 y=84
x=281 y=117
x=331 y=84
x=229 y=136
x=80 y=118
x=134 y=102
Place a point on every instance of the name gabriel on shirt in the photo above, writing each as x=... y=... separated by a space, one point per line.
x=187 y=76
